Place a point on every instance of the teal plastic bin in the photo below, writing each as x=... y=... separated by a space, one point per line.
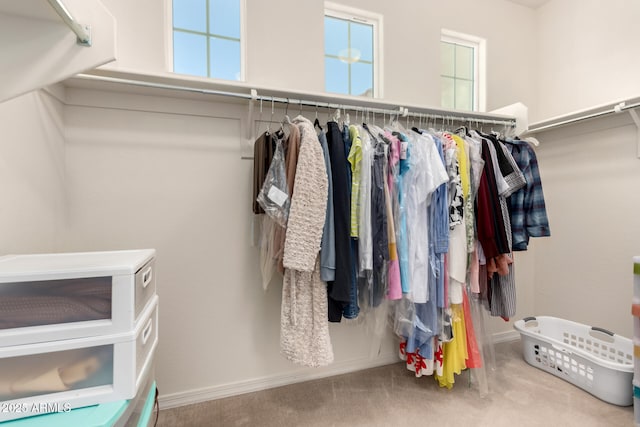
x=112 y=414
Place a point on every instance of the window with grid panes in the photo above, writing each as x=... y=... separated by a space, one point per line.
x=207 y=38
x=459 y=73
x=351 y=57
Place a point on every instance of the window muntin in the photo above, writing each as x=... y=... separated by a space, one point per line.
x=352 y=56
x=207 y=38
x=461 y=68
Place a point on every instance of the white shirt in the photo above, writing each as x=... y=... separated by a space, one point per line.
x=365 y=242
x=427 y=173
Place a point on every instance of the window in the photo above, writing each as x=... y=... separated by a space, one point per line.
x=207 y=38
x=462 y=66
x=351 y=54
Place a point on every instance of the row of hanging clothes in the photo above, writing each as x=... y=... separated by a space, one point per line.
x=420 y=224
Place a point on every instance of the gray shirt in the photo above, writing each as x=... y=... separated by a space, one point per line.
x=328 y=245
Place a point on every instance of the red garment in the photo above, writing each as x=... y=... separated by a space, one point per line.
x=474 y=359
x=484 y=219
x=491 y=228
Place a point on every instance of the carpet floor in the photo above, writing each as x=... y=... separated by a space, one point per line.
x=389 y=396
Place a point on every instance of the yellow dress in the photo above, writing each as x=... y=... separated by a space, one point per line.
x=454 y=352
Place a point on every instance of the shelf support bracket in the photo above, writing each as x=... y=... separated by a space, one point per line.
x=83 y=32
x=636 y=120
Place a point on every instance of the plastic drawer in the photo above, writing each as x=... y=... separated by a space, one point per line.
x=62 y=375
x=143 y=407
x=147 y=417
x=145 y=286
x=136 y=405
x=49 y=297
x=112 y=414
x=636 y=404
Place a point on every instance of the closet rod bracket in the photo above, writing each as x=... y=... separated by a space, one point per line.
x=85 y=40
x=634 y=115
x=82 y=32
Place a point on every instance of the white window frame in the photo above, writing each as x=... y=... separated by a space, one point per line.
x=169 y=43
x=359 y=16
x=479 y=46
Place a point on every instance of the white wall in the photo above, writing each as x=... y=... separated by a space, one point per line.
x=174 y=180
x=31 y=174
x=284 y=50
x=150 y=171
x=285 y=44
x=587 y=54
x=145 y=171
x=584 y=271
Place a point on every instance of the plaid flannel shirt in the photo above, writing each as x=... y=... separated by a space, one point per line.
x=527 y=207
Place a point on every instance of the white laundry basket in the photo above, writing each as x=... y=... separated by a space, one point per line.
x=591 y=358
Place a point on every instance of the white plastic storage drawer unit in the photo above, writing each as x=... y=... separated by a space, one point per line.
x=48 y=297
x=123 y=413
x=62 y=375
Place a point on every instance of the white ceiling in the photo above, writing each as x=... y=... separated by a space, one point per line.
x=533 y=4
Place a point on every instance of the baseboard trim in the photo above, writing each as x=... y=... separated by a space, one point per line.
x=505 y=336
x=248 y=386
x=233 y=389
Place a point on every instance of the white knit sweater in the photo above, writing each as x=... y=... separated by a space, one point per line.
x=308 y=202
x=304 y=328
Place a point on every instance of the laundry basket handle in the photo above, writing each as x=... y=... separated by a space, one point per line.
x=604 y=331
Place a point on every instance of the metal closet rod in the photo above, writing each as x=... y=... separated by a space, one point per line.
x=253 y=96
x=615 y=109
x=400 y=112
x=83 y=32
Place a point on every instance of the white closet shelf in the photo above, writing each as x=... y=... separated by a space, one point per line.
x=39 y=50
x=181 y=86
x=629 y=105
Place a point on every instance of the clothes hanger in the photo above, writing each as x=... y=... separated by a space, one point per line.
x=394 y=120
x=271 y=120
x=462 y=130
x=336 y=115
x=260 y=117
x=396 y=124
x=316 y=122
x=280 y=133
x=287 y=119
